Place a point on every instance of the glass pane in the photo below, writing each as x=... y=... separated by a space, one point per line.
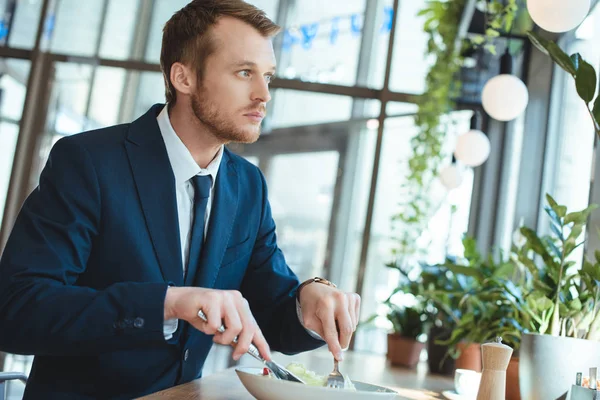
x=70 y=95
x=119 y=29
x=379 y=50
x=446 y=226
x=409 y=64
x=302 y=207
x=106 y=97
x=76 y=27
x=163 y=10
x=322 y=42
x=25 y=23
x=394 y=108
x=357 y=173
x=294 y=108
x=12 y=98
x=150 y=92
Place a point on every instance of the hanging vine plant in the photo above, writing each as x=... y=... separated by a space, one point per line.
x=434 y=105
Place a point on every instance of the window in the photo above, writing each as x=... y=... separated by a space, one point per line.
x=444 y=233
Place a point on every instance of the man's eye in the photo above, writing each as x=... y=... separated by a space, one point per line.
x=268 y=78
x=244 y=73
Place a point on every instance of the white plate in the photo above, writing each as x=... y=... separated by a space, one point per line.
x=263 y=388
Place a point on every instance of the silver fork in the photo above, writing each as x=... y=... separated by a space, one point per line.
x=335 y=379
x=278 y=370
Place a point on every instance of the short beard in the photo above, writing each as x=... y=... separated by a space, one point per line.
x=222 y=128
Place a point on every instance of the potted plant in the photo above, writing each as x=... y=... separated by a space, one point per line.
x=438 y=291
x=560 y=306
x=484 y=311
x=404 y=344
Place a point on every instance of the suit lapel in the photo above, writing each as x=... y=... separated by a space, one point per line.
x=155 y=184
x=222 y=218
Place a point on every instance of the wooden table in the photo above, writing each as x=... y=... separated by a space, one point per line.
x=410 y=384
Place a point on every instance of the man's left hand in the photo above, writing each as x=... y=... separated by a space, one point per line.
x=331 y=313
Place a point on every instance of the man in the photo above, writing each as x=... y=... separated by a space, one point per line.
x=135 y=228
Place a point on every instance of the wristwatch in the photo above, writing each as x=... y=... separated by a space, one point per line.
x=313 y=280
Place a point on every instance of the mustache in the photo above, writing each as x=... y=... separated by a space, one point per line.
x=260 y=108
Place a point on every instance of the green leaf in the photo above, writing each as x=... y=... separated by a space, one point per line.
x=492 y=33
x=580 y=217
x=537 y=246
x=467 y=271
x=550 y=48
x=553 y=217
x=557 y=232
x=585 y=81
x=592 y=271
x=575 y=305
x=505 y=271
x=551 y=201
x=543 y=303
x=478 y=39
x=558 y=209
x=555 y=250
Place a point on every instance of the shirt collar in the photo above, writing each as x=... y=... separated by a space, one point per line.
x=182 y=162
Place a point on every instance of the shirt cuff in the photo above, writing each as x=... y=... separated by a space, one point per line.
x=312 y=333
x=169 y=328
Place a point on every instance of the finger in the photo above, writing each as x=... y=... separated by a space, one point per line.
x=330 y=334
x=352 y=310
x=213 y=317
x=344 y=324
x=261 y=344
x=233 y=324
x=357 y=307
x=248 y=328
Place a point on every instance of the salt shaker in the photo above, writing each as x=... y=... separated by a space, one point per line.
x=495 y=357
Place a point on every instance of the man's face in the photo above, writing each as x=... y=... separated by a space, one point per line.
x=231 y=99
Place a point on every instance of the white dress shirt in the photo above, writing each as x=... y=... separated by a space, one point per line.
x=184 y=168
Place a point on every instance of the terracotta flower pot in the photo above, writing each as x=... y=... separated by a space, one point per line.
x=513 y=391
x=470 y=356
x=403 y=351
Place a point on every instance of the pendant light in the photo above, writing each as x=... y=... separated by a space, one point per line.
x=558 y=15
x=473 y=147
x=505 y=97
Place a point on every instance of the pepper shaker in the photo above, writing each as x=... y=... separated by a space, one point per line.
x=495 y=357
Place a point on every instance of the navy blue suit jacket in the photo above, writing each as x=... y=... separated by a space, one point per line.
x=84 y=274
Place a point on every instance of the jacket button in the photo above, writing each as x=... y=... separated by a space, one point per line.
x=138 y=322
x=186 y=355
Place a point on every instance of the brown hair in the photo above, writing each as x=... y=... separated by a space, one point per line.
x=186 y=36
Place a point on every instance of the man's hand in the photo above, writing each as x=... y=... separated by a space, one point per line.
x=331 y=313
x=226 y=307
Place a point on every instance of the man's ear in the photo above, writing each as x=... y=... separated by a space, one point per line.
x=183 y=78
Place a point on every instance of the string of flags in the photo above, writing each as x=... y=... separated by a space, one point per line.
x=305 y=34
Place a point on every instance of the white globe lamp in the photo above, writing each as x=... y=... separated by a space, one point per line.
x=473 y=147
x=451 y=176
x=558 y=15
x=505 y=97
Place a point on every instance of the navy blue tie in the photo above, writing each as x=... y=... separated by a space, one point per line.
x=202 y=185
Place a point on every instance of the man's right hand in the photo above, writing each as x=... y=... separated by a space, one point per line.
x=226 y=307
